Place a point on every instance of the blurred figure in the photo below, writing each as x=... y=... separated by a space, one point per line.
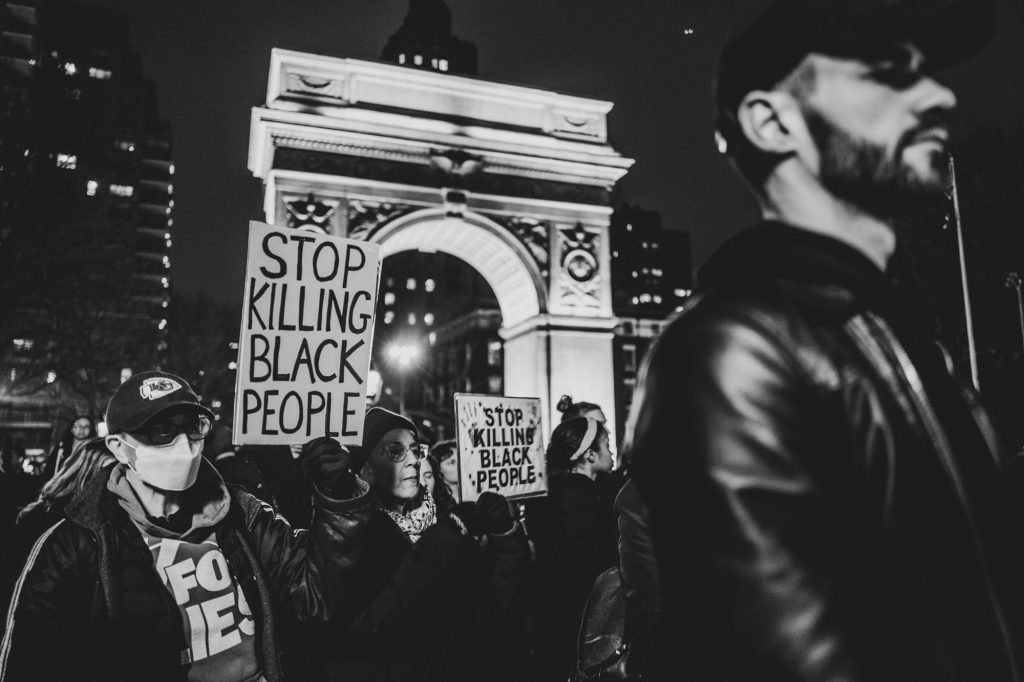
x=81 y=429
x=234 y=465
x=445 y=455
x=432 y=479
x=569 y=409
x=436 y=604
x=574 y=534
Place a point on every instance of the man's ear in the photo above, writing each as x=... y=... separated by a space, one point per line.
x=117 y=446
x=768 y=120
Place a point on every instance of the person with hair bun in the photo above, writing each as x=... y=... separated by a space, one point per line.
x=574 y=533
x=570 y=409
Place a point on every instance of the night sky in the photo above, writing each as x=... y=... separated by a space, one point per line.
x=209 y=63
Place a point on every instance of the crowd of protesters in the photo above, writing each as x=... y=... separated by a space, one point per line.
x=162 y=551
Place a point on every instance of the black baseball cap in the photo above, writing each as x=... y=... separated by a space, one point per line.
x=948 y=32
x=144 y=396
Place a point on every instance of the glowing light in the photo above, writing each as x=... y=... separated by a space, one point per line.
x=126 y=374
x=51 y=377
x=91 y=187
x=443 y=64
x=68 y=161
x=404 y=354
x=389 y=298
x=429 y=285
x=162 y=325
x=70 y=69
x=232 y=365
x=100 y=74
x=417 y=60
x=122 y=190
x=428 y=319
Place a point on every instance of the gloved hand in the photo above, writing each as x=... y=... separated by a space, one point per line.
x=494 y=513
x=467 y=518
x=329 y=465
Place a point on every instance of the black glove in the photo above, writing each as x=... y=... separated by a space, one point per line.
x=494 y=513
x=328 y=464
x=467 y=518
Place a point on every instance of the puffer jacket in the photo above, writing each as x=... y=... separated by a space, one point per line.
x=89 y=603
x=827 y=501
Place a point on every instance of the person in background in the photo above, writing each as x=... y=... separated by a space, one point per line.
x=574 y=535
x=91 y=458
x=445 y=455
x=234 y=465
x=81 y=429
x=436 y=604
x=433 y=481
x=158 y=571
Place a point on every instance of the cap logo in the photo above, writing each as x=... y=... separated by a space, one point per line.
x=153 y=389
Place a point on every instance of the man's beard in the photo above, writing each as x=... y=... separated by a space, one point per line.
x=867 y=176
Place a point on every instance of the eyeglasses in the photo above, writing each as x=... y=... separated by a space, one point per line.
x=397 y=452
x=163 y=431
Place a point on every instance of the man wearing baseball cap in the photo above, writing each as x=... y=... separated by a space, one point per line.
x=838 y=506
x=160 y=572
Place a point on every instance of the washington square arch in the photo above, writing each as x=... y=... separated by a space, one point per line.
x=515 y=181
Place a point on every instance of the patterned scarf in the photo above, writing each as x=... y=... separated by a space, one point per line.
x=420 y=518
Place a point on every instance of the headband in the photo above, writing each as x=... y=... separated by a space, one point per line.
x=588 y=438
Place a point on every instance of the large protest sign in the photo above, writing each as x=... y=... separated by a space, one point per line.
x=307 y=332
x=500 y=448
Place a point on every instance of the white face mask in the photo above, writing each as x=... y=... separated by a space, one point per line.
x=174 y=466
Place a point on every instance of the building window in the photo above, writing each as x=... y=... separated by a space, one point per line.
x=417 y=60
x=51 y=377
x=125 y=145
x=432 y=338
x=494 y=384
x=23 y=344
x=429 y=285
x=389 y=317
x=428 y=319
x=100 y=74
x=494 y=354
x=122 y=190
x=443 y=64
x=91 y=187
x=401 y=58
x=410 y=284
x=389 y=298
x=67 y=161
x=629 y=358
x=126 y=374
x=70 y=69
x=412 y=319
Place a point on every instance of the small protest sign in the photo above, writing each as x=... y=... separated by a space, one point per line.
x=500 y=448
x=307 y=331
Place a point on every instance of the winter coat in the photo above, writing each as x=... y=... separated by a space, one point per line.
x=827 y=501
x=438 y=609
x=89 y=603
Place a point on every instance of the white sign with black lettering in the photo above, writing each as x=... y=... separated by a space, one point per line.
x=500 y=448
x=307 y=332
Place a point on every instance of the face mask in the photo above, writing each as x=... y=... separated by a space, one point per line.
x=168 y=467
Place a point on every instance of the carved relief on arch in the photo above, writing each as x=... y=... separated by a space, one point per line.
x=364 y=217
x=579 y=271
x=535 y=235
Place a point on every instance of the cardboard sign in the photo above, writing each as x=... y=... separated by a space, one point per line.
x=500 y=446
x=307 y=331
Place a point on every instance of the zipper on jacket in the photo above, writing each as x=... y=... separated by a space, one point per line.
x=869 y=344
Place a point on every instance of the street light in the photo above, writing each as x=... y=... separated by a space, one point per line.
x=403 y=355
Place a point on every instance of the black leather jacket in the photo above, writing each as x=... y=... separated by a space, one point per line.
x=828 y=502
x=89 y=604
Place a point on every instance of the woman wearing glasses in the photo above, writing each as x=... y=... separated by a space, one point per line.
x=437 y=605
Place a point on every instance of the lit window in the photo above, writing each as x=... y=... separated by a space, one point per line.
x=389 y=317
x=645 y=298
x=494 y=384
x=168 y=243
x=657 y=298
x=100 y=74
x=163 y=324
x=170 y=189
x=163 y=304
x=51 y=377
x=432 y=338
x=389 y=298
x=433 y=62
x=68 y=161
x=410 y=284
x=232 y=365
x=126 y=145
x=443 y=65
x=122 y=190
x=91 y=187
x=635 y=275
x=170 y=169
x=615 y=254
x=412 y=319
x=14 y=374
x=494 y=353
x=23 y=344
x=629 y=227
x=428 y=285
x=167 y=262
x=215 y=404
x=636 y=300
x=401 y=58
x=166 y=282
x=126 y=374
x=428 y=319
x=233 y=345
x=417 y=60
x=682 y=293
x=70 y=69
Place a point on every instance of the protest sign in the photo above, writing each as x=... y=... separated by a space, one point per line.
x=307 y=331
x=500 y=448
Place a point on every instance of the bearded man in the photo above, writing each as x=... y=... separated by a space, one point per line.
x=839 y=508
